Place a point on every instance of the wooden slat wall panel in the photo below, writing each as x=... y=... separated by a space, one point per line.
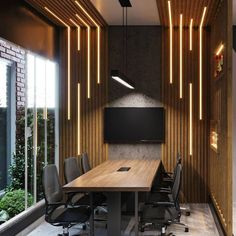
x=195 y=174
x=220 y=165
x=91 y=134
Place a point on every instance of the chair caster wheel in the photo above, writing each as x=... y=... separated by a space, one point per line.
x=187 y=213
x=186 y=230
x=84 y=227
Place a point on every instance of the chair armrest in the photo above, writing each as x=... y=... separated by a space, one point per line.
x=165 y=204
x=162 y=190
x=168 y=179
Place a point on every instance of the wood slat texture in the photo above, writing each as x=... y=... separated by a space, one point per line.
x=195 y=174
x=106 y=177
x=91 y=133
x=189 y=9
x=220 y=164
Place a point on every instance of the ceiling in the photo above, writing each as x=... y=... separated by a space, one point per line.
x=189 y=9
x=142 y=12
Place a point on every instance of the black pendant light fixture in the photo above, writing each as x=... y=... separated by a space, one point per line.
x=116 y=74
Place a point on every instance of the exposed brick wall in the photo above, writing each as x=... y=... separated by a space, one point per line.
x=17 y=55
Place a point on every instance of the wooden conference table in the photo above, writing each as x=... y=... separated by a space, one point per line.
x=107 y=178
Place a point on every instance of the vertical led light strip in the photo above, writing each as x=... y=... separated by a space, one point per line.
x=88 y=66
x=190 y=120
x=171 y=44
x=78 y=31
x=78 y=121
x=191 y=35
x=181 y=57
x=98 y=39
x=68 y=59
x=200 y=63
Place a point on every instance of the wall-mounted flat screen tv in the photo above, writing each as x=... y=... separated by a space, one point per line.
x=134 y=124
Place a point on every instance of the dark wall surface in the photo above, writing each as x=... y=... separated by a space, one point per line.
x=23 y=26
x=144 y=69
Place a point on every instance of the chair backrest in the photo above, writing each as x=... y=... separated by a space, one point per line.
x=85 y=163
x=71 y=169
x=177 y=183
x=178 y=161
x=51 y=185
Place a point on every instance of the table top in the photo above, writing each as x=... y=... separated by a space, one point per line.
x=107 y=178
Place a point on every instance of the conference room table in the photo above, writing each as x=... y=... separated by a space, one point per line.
x=114 y=177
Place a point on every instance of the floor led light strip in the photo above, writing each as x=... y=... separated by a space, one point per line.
x=68 y=59
x=88 y=55
x=200 y=63
x=171 y=43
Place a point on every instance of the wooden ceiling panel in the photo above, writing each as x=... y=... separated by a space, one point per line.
x=66 y=10
x=189 y=9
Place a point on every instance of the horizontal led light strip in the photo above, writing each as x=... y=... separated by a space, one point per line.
x=190 y=119
x=181 y=57
x=98 y=38
x=219 y=50
x=200 y=63
x=171 y=44
x=88 y=66
x=78 y=132
x=78 y=31
x=191 y=35
x=68 y=59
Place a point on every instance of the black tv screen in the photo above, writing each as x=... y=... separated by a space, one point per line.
x=134 y=124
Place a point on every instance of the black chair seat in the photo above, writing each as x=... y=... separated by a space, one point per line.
x=71 y=215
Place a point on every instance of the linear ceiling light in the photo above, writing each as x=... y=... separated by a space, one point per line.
x=88 y=55
x=171 y=43
x=78 y=31
x=200 y=64
x=122 y=79
x=181 y=57
x=219 y=50
x=190 y=119
x=191 y=35
x=98 y=39
x=78 y=121
x=68 y=59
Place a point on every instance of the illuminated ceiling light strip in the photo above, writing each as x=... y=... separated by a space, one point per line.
x=78 y=31
x=98 y=39
x=181 y=57
x=171 y=44
x=200 y=64
x=88 y=55
x=190 y=120
x=78 y=131
x=191 y=35
x=221 y=47
x=68 y=59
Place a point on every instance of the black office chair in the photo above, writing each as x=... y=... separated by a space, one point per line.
x=99 y=197
x=57 y=212
x=162 y=209
x=85 y=165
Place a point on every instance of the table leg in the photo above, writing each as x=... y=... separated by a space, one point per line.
x=136 y=213
x=114 y=213
x=91 y=220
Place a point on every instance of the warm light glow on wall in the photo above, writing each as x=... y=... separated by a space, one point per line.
x=181 y=57
x=98 y=39
x=191 y=35
x=78 y=31
x=78 y=121
x=68 y=59
x=200 y=63
x=171 y=43
x=88 y=55
x=190 y=119
x=219 y=50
